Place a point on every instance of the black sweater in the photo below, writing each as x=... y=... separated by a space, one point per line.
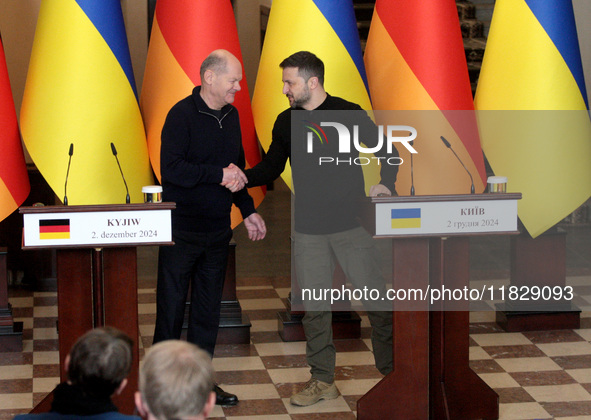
x=327 y=196
x=197 y=143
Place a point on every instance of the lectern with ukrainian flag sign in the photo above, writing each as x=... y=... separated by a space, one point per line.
x=431 y=297
x=96 y=250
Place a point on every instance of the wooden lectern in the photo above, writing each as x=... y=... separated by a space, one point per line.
x=97 y=269
x=430 y=250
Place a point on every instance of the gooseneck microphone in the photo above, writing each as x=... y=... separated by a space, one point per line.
x=70 y=152
x=448 y=145
x=412 y=173
x=127 y=200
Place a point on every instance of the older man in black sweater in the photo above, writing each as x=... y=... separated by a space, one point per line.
x=201 y=162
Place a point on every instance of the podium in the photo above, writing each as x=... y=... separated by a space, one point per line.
x=97 y=270
x=430 y=250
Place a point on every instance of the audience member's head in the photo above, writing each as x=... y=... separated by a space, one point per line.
x=176 y=382
x=100 y=361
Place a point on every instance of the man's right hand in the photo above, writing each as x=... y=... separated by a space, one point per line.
x=233 y=178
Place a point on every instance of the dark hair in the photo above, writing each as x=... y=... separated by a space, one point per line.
x=308 y=65
x=100 y=360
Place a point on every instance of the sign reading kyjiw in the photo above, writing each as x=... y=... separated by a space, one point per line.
x=446 y=215
x=96 y=227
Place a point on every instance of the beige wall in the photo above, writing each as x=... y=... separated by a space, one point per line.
x=248 y=22
x=17 y=26
x=249 y=31
x=135 y=14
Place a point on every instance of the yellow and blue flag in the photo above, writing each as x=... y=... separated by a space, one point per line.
x=80 y=90
x=533 y=109
x=406 y=218
x=14 y=180
x=326 y=28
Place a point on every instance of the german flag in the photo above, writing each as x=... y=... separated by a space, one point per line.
x=184 y=32
x=14 y=180
x=54 y=229
x=415 y=60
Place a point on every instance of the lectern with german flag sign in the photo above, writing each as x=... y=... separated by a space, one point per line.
x=96 y=250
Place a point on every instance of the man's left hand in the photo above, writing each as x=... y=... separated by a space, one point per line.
x=255 y=225
x=379 y=190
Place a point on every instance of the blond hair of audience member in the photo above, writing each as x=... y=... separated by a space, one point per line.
x=176 y=382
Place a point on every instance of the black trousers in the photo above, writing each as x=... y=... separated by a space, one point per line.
x=198 y=259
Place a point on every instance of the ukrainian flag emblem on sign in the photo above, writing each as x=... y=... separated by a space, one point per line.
x=406 y=218
x=54 y=229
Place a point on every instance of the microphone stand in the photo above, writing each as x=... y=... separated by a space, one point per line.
x=127 y=199
x=70 y=152
x=412 y=172
x=448 y=145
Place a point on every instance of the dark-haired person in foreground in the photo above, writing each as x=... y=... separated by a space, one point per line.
x=97 y=366
x=326 y=226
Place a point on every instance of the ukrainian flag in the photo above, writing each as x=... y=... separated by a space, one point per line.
x=14 y=180
x=80 y=89
x=533 y=109
x=406 y=218
x=415 y=60
x=183 y=35
x=326 y=28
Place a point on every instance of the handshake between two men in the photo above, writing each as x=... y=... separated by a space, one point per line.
x=235 y=180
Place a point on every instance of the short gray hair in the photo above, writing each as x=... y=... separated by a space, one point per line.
x=176 y=379
x=216 y=62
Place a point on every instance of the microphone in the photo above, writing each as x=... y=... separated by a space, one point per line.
x=127 y=200
x=448 y=145
x=70 y=152
x=412 y=172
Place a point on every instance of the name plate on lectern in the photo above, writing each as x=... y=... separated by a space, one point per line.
x=446 y=214
x=97 y=225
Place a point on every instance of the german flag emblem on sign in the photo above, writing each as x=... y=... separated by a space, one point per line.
x=54 y=229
